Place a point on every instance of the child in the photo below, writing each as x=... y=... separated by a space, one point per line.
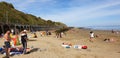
x=91 y=36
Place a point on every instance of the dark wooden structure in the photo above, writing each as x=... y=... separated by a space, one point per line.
x=19 y=27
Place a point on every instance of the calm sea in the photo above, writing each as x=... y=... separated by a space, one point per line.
x=105 y=27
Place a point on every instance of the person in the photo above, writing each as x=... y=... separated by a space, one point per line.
x=7 y=43
x=34 y=35
x=66 y=45
x=12 y=31
x=113 y=31
x=24 y=41
x=109 y=40
x=91 y=36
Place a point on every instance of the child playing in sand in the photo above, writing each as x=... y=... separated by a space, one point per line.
x=91 y=36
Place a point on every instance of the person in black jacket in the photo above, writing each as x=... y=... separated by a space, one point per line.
x=24 y=38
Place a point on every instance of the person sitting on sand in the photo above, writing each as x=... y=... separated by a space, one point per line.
x=35 y=35
x=42 y=33
x=91 y=36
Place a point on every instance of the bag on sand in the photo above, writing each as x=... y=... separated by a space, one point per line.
x=84 y=47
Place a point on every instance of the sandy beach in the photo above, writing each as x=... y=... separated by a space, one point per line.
x=50 y=46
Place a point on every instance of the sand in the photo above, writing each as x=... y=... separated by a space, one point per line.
x=50 y=46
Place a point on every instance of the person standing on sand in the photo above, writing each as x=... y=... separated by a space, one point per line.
x=7 y=43
x=24 y=40
x=91 y=36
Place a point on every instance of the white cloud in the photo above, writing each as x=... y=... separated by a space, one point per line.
x=45 y=1
x=24 y=4
x=77 y=10
x=86 y=12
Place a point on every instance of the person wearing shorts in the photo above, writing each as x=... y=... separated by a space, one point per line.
x=7 y=43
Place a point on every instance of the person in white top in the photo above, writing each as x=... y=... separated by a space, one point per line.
x=91 y=36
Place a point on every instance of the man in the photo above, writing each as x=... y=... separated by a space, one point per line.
x=7 y=43
x=24 y=41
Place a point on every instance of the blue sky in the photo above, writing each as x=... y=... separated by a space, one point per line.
x=73 y=12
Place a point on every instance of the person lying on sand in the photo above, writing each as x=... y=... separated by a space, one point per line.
x=109 y=40
x=66 y=44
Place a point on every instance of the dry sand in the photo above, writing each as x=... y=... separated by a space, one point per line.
x=50 y=47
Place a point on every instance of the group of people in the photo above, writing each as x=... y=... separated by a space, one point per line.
x=43 y=33
x=92 y=37
x=7 y=40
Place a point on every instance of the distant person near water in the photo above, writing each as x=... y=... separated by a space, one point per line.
x=113 y=31
x=7 y=43
x=91 y=36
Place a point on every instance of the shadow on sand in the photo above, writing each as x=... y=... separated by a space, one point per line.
x=32 y=40
x=33 y=50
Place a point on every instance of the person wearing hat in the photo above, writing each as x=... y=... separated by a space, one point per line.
x=24 y=41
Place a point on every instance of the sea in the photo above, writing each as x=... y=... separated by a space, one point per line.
x=105 y=27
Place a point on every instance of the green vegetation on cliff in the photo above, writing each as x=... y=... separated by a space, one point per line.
x=8 y=14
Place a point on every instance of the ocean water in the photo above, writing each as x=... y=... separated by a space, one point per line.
x=105 y=27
